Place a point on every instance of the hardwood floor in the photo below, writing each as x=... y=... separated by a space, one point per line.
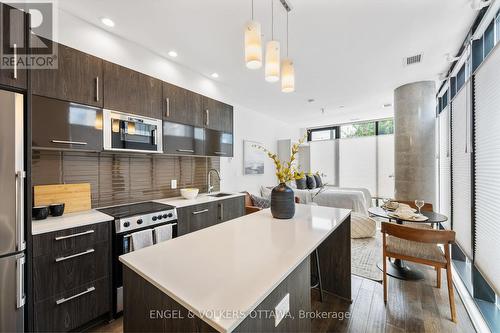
x=412 y=306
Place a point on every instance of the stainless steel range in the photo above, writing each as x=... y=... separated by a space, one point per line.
x=130 y=219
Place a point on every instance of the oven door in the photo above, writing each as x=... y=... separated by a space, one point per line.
x=122 y=245
x=125 y=132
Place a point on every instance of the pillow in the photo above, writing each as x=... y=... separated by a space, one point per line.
x=362 y=226
x=265 y=192
x=260 y=202
x=311 y=182
x=319 y=182
x=301 y=183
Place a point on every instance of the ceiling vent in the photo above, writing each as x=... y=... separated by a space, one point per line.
x=416 y=59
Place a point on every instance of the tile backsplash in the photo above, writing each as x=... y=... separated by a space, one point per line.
x=123 y=178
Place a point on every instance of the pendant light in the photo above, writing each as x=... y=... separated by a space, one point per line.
x=253 y=44
x=272 y=68
x=287 y=69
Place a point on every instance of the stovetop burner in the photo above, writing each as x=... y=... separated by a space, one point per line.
x=135 y=209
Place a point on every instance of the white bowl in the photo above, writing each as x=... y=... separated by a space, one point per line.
x=189 y=193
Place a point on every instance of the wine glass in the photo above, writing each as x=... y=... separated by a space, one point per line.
x=419 y=204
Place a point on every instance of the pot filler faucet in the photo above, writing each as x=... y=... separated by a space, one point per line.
x=210 y=187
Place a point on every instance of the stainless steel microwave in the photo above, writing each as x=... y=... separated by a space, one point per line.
x=131 y=133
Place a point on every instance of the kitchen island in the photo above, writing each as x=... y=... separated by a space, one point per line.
x=248 y=274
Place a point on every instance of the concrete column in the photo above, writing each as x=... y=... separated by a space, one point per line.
x=415 y=145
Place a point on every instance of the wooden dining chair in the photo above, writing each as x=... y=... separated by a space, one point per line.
x=420 y=246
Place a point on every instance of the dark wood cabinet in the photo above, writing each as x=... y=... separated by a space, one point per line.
x=64 y=125
x=182 y=139
x=182 y=106
x=78 y=77
x=71 y=277
x=232 y=208
x=197 y=217
x=218 y=143
x=13 y=31
x=129 y=91
x=218 y=115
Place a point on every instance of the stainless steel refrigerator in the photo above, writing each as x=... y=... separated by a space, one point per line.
x=12 y=238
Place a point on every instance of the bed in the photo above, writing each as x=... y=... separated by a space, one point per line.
x=356 y=199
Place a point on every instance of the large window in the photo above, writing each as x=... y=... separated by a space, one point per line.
x=357 y=130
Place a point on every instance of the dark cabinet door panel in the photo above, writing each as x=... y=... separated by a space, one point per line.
x=218 y=115
x=13 y=28
x=129 y=91
x=218 y=143
x=78 y=77
x=55 y=274
x=197 y=217
x=230 y=209
x=182 y=105
x=183 y=139
x=73 y=308
x=58 y=124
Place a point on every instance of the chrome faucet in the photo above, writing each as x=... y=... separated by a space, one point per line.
x=210 y=187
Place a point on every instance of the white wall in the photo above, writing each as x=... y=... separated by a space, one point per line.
x=248 y=124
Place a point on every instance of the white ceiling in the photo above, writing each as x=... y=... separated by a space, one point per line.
x=346 y=52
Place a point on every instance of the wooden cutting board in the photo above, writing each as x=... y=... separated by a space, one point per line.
x=76 y=197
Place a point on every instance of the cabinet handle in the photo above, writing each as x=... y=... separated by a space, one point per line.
x=97 y=89
x=207 y=112
x=74 y=235
x=185 y=150
x=221 y=211
x=154 y=133
x=14 y=75
x=220 y=153
x=200 y=212
x=64 y=300
x=70 y=142
x=59 y=259
x=168 y=106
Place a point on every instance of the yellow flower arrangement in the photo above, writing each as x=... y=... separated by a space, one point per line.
x=285 y=171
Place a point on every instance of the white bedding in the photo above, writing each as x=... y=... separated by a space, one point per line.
x=356 y=199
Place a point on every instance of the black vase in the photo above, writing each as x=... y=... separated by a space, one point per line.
x=282 y=202
x=301 y=183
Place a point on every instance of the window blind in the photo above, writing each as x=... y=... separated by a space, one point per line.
x=461 y=169
x=487 y=169
x=445 y=166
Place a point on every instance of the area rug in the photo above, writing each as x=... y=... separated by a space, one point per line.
x=366 y=253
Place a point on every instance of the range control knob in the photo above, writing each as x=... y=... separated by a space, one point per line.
x=165 y=216
x=160 y=217
x=170 y=214
x=154 y=218
x=126 y=224
x=139 y=221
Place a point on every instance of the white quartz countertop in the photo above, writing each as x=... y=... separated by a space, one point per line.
x=78 y=219
x=179 y=202
x=234 y=266
x=69 y=220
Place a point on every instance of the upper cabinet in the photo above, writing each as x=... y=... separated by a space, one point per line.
x=78 y=78
x=13 y=32
x=182 y=106
x=218 y=115
x=129 y=91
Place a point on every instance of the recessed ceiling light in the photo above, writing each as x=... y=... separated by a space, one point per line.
x=342 y=106
x=173 y=54
x=310 y=100
x=107 y=21
x=214 y=75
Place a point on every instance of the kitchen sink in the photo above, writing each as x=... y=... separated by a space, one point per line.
x=219 y=195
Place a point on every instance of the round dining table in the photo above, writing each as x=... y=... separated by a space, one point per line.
x=397 y=268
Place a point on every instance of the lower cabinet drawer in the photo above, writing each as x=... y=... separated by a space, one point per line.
x=53 y=274
x=74 y=308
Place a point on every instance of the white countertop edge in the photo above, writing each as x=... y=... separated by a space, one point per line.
x=93 y=216
x=68 y=220
x=259 y=300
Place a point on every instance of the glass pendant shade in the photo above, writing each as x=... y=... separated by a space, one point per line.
x=253 y=45
x=272 y=70
x=287 y=76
